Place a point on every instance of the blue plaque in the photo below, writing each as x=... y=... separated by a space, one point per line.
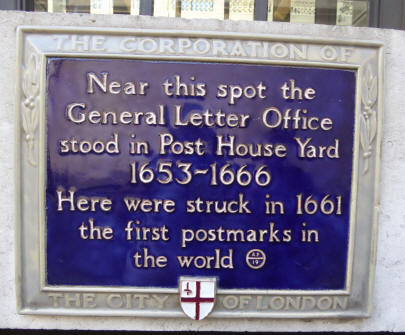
x=200 y=163
x=182 y=174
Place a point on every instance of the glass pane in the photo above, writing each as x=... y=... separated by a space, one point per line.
x=101 y=7
x=202 y=9
x=165 y=8
x=302 y=11
x=326 y=12
x=270 y=6
x=241 y=9
x=344 y=11
x=40 y=5
x=352 y=13
x=78 y=6
x=281 y=10
x=135 y=7
x=122 y=6
x=56 y=6
x=361 y=13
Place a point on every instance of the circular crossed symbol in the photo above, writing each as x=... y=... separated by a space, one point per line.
x=255 y=258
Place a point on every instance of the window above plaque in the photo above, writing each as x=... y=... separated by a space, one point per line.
x=332 y=12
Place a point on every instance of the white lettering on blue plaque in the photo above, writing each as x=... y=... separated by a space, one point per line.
x=161 y=169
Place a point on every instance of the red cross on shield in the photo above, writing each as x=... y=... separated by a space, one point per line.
x=197 y=296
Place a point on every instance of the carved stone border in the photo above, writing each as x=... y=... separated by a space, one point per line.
x=38 y=43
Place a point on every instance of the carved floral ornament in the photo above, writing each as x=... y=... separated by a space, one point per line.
x=368 y=120
x=30 y=104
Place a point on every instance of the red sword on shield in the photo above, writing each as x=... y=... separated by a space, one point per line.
x=197 y=299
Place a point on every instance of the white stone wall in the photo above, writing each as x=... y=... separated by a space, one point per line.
x=389 y=291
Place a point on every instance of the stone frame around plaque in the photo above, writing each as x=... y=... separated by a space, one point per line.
x=35 y=44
